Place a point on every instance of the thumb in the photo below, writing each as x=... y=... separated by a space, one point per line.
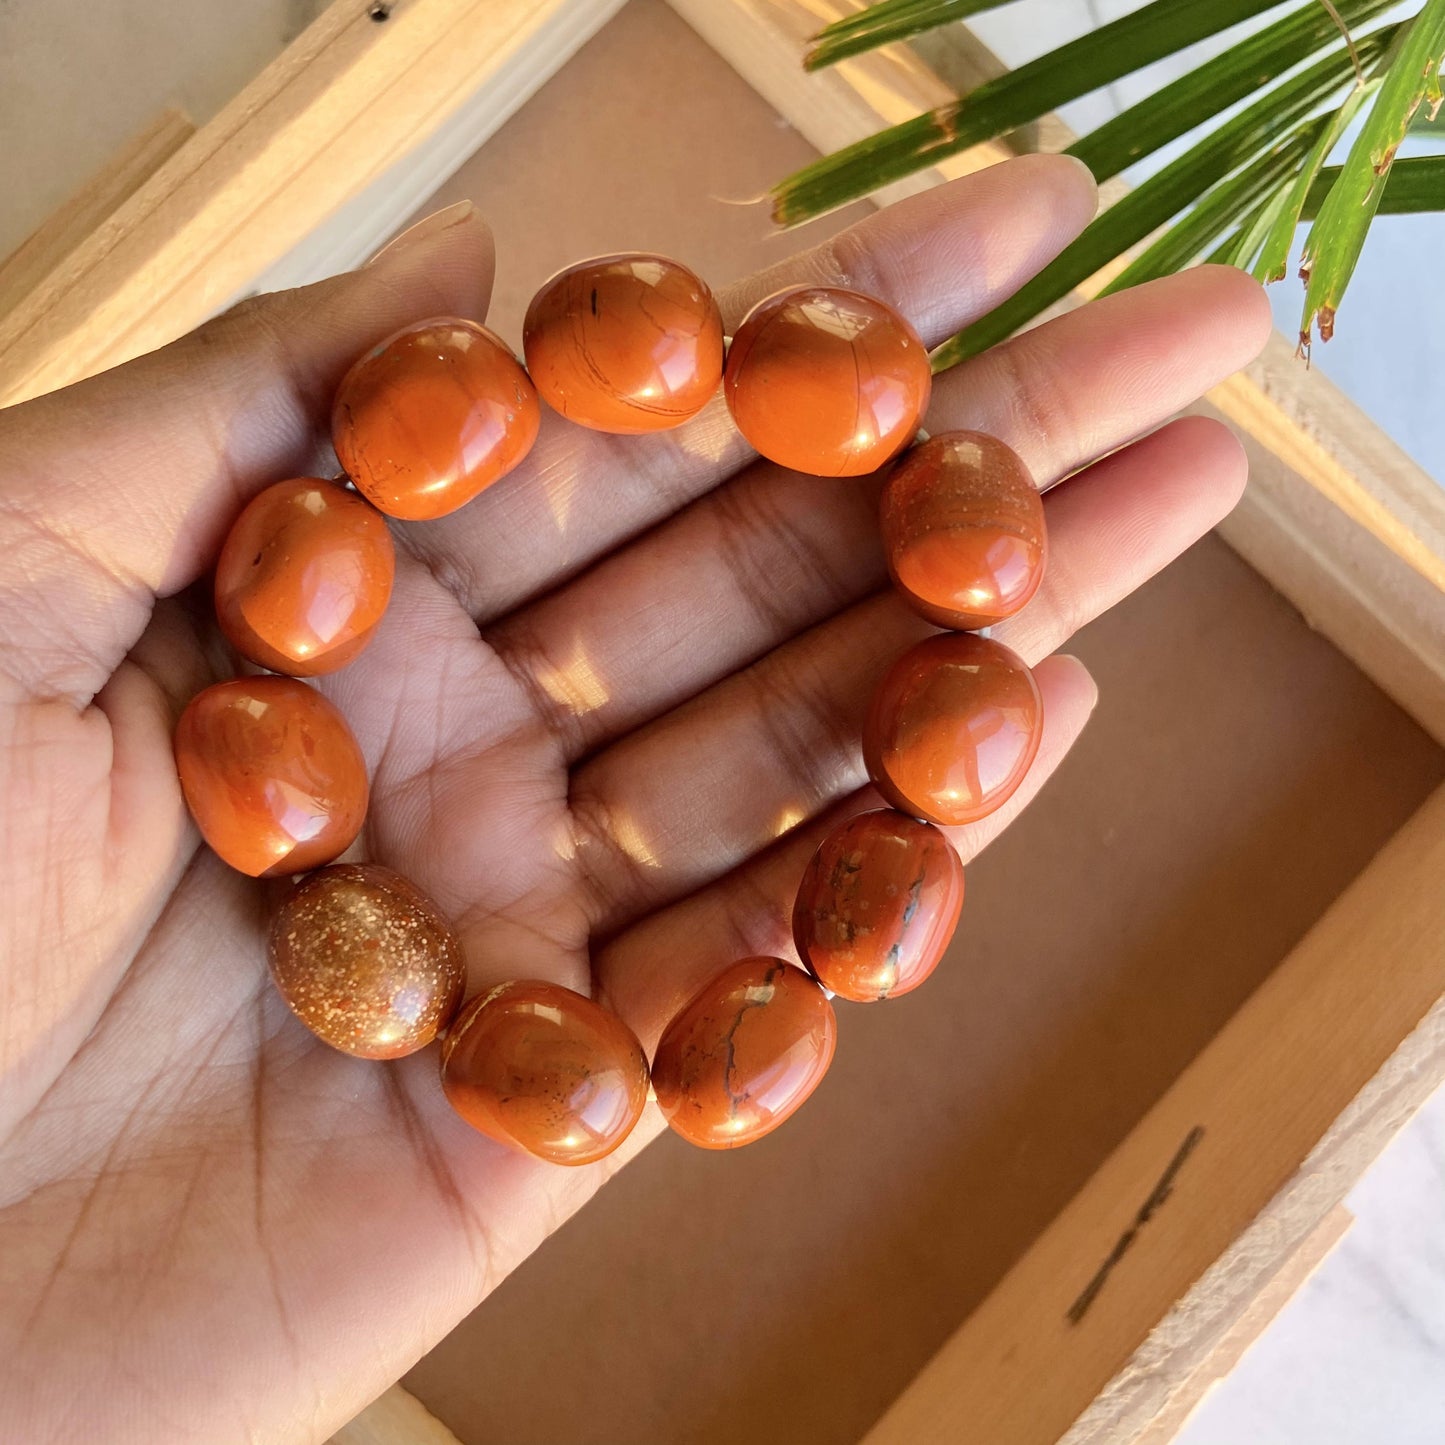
x=120 y=489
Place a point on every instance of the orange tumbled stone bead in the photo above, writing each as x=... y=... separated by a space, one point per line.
x=952 y=728
x=545 y=1070
x=963 y=530
x=271 y=774
x=744 y=1054
x=625 y=344
x=878 y=905
x=827 y=381
x=432 y=415
x=366 y=961
x=304 y=577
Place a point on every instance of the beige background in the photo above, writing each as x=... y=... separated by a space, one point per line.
x=78 y=78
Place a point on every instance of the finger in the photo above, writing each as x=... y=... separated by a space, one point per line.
x=1075 y=388
x=121 y=488
x=648 y=972
x=661 y=813
x=773 y=552
x=942 y=258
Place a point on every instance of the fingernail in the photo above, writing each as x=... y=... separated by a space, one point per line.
x=424 y=230
x=1084 y=166
x=1089 y=187
x=1083 y=670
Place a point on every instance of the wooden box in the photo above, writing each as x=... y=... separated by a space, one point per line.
x=1197 y=988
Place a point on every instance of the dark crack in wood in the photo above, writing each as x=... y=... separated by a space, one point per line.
x=1161 y=1191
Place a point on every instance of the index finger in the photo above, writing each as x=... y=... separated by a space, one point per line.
x=119 y=489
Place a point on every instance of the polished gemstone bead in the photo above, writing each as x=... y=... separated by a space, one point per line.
x=744 y=1054
x=878 y=905
x=271 y=774
x=952 y=728
x=827 y=381
x=366 y=961
x=304 y=577
x=963 y=530
x=546 y=1070
x=625 y=344
x=428 y=418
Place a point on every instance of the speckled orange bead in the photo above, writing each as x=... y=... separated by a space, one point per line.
x=952 y=728
x=878 y=905
x=545 y=1070
x=271 y=774
x=366 y=961
x=744 y=1054
x=963 y=530
x=827 y=381
x=625 y=344
x=304 y=577
x=432 y=415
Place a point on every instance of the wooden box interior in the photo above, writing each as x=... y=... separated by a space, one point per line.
x=1238 y=773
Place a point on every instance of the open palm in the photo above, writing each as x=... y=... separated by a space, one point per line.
x=611 y=706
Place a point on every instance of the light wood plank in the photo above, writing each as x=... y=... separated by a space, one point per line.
x=1293 y=1098
x=122 y=175
x=347 y=102
x=1402 y=510
x=1293 y=1273
x=1367 y=569
x=396 y=1418
x=1385 y=616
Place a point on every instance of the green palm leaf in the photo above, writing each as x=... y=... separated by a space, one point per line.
x=1275 y=247
x=886 y=22
x=1256 y=229
x=1238 y=195
x=1004 y=104
x=1243 y=183
x=1242 y=70
x=1231 y=145
x=1415 y=186
x=1338 y=233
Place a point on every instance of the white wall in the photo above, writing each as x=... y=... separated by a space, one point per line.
x=78 y=78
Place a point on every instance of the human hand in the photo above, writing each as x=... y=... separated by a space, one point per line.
x=614 y=704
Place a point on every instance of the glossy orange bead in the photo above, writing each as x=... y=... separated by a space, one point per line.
x=304 y=577
x=431 y=416
x=827 y=381
x=366 y=961
x=963 y=530
x=625 y=344
x=878 y=905
x=545 y=1070
x=271 y=774
x=952 y=728
x=744 y=1054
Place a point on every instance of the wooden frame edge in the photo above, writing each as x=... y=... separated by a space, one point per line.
x=396 y=1417
x=346 y=104
x=1285 y=1107
x=1216 y=1364
x=119 y=178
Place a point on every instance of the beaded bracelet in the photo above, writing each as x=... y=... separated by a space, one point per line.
x=819 y=379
